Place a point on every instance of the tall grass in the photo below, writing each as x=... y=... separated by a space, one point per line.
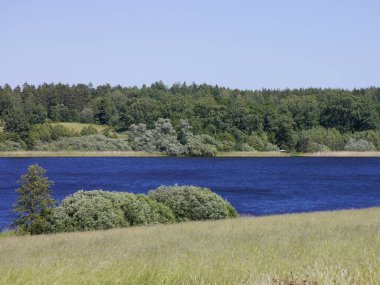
x=320 y=248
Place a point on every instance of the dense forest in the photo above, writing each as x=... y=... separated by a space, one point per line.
x=189 y=119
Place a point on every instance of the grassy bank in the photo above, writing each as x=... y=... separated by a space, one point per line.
x=78 y=154
x=340 y=247
x=344 y=154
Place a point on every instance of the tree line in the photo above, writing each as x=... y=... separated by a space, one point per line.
x=311 y=119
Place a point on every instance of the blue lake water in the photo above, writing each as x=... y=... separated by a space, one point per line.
x=258 y=186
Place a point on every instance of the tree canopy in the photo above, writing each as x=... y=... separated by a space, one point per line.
x=230 y=116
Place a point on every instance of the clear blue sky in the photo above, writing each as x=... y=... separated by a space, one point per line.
x=240 y=44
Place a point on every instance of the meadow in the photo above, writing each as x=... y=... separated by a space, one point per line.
x=341 y=247
x=78 y=127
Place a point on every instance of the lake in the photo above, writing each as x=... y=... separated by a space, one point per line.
x=255 y=186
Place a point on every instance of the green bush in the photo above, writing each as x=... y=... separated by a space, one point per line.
x=10 y=146
x=359 y=145
x=320 y=139
x=146 y=211
x=370 y=136
x=259 y=141
x=100 y=210
x=246 y=147
x=89 y=130
x=46 y=132
x=190 y=203
x=163 y=138
x=201 y=145
x=86 y=143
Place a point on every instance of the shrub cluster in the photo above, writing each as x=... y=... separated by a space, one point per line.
x=89 y=130
x=164 y=138
x=100 y=210
x=319 y=139
x=259 y=142
x=190 y=203
x=47 y=132
x=85 y=143
x=10 y=146
x=359 y=145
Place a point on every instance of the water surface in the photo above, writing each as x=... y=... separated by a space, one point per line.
x=258 y=186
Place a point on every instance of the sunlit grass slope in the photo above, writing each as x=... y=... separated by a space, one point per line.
x=320 y=248
x=77 y=127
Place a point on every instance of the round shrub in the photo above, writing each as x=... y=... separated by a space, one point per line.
x=201 y=145
x=100 y=210
x=90 y=210
x=146 y=211
x=89 y=130
x=190 y=203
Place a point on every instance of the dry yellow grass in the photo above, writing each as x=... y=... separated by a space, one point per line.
x=340 y=247
x=253 y=154
x=344 y=154
x=79 y=154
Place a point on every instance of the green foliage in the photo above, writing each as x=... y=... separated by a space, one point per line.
x=304 y=110
x=87 y=116
x=146 y=211
x=105 y=111
x=10 y=146
x=60 y=113
x=47 y=132
x=165 y=138
x=100 y=210
x=11 y=142
x=201 y=145
x=17 y=122
x=85 y=143
x=231 y=116
x=226 y=141
x=190 y=203
x=109 y=133
x=162 y=138
x=89 y=130
x=196 y=145
x=259 y=141
x=371 y=136
x=140 y=138
x=359 y=145
x=347 y=112
x=34 y=203
x=320 y=139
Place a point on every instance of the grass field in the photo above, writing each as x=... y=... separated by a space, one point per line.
x=77 y=127
x=340 y=247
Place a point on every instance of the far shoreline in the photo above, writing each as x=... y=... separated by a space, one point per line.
x=241 y=154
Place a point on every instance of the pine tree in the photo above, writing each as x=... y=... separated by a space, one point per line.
x=34 y=204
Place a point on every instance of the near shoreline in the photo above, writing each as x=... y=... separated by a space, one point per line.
x=156 y=154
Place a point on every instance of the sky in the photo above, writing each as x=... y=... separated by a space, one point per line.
x=238 y=44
